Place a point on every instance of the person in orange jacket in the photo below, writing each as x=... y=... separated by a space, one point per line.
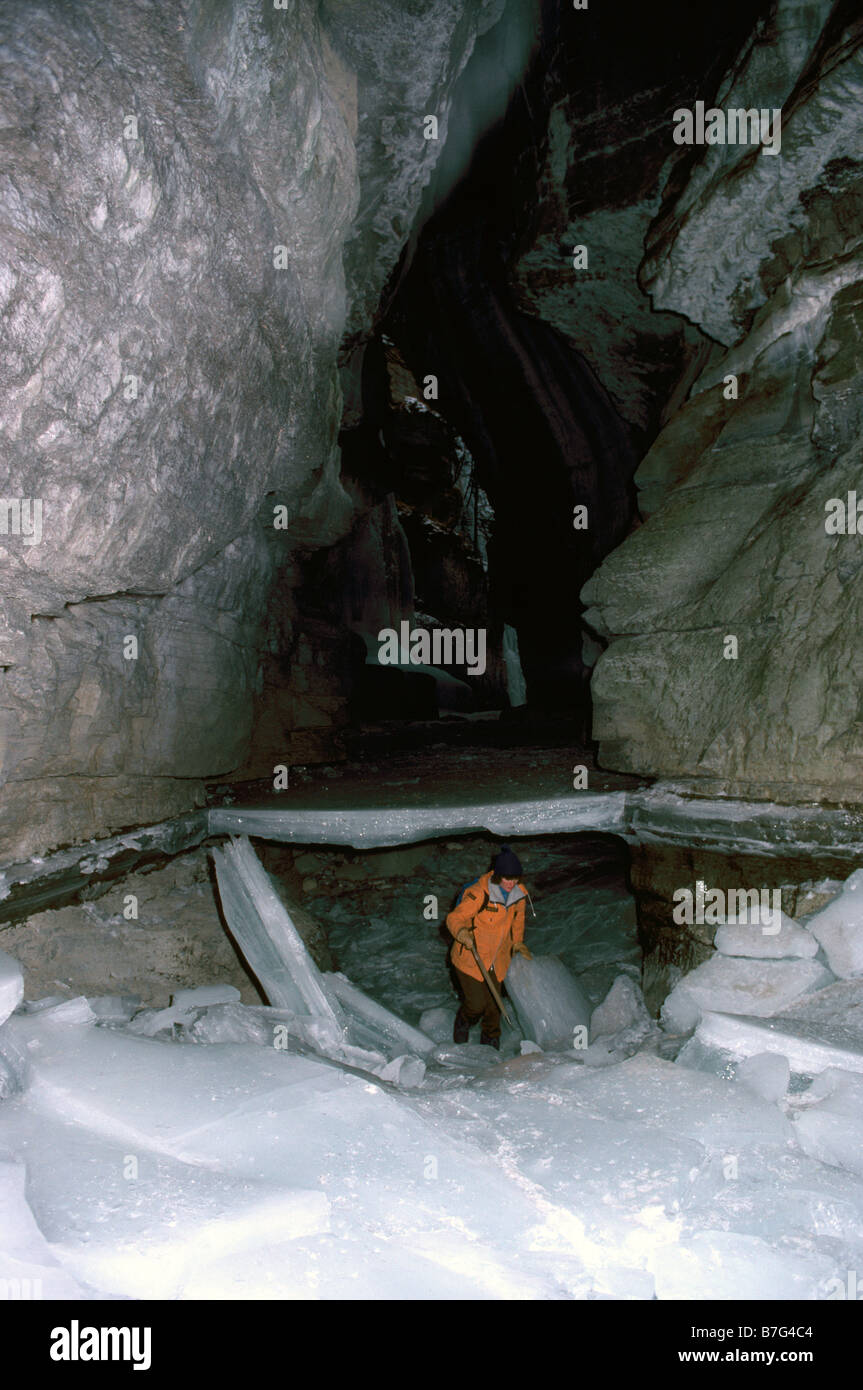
x=490 y=917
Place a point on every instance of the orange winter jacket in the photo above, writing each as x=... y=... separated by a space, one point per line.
x=497 y=928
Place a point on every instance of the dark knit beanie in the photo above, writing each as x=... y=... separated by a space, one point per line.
x=506 y=865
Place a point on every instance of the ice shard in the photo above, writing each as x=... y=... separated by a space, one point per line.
x=374 y=1016
x=268 y=939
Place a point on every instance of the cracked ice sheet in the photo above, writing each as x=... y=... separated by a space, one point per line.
x=637 y=1154
x=370 y=827
x=154 y=1229
x=397 y=1188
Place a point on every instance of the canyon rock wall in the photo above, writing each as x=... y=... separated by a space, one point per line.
x=765 y=254
x=179 y=183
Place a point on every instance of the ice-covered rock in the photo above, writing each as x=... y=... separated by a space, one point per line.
x=740 y=985
x=764 y=940
x=765 y=1073
x=831 y=1128
x=549 y=1000
x=839 y=929
x=11 y=985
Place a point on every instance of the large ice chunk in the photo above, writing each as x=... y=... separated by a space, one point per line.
x=740 y=985
x=839 y=929
x=623 y=1008
x=831 y=1129
x=11 y=985
x=764 y=940
x=550 y=1002
x=765 y=1073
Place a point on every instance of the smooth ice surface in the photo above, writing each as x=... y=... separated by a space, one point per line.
x=739 y=939
x=11 y=985
x=741 y=985
x=809 y=1047
x=549 y=1001
x=268 y=939
x=839 y=929
x=831 y=1128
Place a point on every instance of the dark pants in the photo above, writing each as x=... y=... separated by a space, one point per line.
x=478 y=1003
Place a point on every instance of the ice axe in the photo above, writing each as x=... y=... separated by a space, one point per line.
x=494 y=992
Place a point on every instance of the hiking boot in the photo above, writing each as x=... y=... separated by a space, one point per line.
x=461 y=1028
x=490 y=1042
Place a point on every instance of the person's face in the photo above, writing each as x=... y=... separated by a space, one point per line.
x=507 y=884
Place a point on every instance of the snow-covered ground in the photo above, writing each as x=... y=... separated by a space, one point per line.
x=326 y=1149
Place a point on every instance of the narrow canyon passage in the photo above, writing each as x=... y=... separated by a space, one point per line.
x=431 y=836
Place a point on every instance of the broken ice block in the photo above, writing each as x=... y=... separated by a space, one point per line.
x=739 y=939
x=809 y=1047
x=831 y=1129
x=839 y=929
x=765 y=1073
x=741 y=985
x=11 y=985
x=268 y=939
x=622 y=1008
x=114 y=1008
x=403 y=1071
x=550 y=1002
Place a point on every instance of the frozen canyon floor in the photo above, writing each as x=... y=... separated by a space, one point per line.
x=338 y=1145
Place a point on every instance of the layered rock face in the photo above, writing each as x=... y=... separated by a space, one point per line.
x=179 y=183
x=732 y=614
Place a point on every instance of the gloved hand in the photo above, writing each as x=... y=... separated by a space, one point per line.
x=523 y=951
x=465 y=937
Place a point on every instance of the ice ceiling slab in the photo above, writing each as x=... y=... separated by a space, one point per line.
x=375 y=826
